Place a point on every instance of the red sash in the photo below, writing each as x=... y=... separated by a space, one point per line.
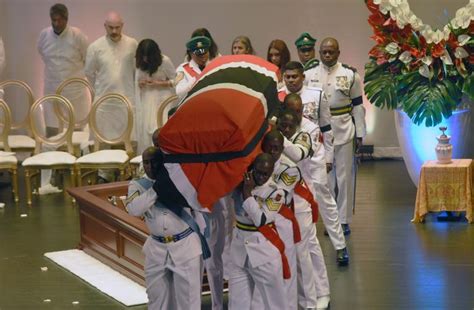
x=272 y=235
x=302 y=190
x=190 y=70
x=287 y=213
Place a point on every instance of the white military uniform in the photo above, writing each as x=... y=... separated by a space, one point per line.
x=312 y=277
x=64 y=56
x=110 y=68
x=317 y=119
x=285 y=175
x=173 y=269
x=186 y=76
x=343 y=87
x=256 y=262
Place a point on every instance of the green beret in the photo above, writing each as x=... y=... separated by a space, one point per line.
x=198 y=43
x=305 y=39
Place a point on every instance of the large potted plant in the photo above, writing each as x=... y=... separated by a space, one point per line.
x=426 y=75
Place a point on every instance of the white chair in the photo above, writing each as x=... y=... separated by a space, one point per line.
x=54 y=160
x=165 y=107
x=8 y=160
x=116 y=159
x=80 y=137
x=20 y=142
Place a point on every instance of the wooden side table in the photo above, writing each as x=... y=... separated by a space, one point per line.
x=445 y=187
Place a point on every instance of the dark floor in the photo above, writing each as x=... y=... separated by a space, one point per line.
x=394 y=264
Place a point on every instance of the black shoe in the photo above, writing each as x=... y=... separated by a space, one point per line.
x=345 y=229
x=326 y=233
x=342 y=257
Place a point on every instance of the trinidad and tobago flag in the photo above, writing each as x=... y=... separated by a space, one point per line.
x=215 y=134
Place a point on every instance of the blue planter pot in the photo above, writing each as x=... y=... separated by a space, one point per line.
x=418 y=142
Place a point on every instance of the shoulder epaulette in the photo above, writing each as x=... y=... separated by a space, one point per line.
x=349 y=67
x=311 y=64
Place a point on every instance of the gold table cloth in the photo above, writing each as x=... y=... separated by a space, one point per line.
x=445 y=187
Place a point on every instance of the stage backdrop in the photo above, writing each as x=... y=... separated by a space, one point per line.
x=170 y=23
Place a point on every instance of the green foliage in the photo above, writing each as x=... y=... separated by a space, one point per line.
x=380 y=86
x=424 y=100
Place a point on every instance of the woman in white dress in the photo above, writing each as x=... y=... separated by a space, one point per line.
x=154 y=79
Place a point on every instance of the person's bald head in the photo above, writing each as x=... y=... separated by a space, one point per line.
x=113 y=26
x=262 y=168
x=150 y=158
x=272 y=144
x=329 y=51
x=293 y=102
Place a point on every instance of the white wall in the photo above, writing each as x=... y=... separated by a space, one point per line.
x=170 y=23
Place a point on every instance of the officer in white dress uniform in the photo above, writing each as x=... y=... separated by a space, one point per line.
x=286 y=175
x=343 y=87
x=110 y=68
x=258 y=258
x=63 y=50
x=173 y=260
x=317 y=122
x=313 y=283
x=197 y=50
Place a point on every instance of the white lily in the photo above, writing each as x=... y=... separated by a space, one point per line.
x=427 y=60
x=460 y=53
x=405 y=57
x=392 y=48
x=463 y=39
x=425 y=71
x=446 y=58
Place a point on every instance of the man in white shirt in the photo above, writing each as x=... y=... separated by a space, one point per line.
x=63 y=51
x=110 y=68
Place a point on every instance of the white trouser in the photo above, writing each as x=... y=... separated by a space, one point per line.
x=214 y=265
x=343 y=176
x=328 y=212
x=317 y=259
x=285 y=230
x=317 y=176
x=173 y=286
x=267 y=276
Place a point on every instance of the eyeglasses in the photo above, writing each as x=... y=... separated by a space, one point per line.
x=306 y=49
x=200 y=51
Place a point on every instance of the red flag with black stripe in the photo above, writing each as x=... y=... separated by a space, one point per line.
x=215 y=133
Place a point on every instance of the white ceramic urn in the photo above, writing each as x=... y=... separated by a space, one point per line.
x=444 y=149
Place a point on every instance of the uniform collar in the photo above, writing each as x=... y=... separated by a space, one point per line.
x=195 y=66
x=62 y=34
x=333 y=68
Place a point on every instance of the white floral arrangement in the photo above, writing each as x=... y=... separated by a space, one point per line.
x=423 y=71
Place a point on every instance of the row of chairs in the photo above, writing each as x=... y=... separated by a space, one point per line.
x=66 y=146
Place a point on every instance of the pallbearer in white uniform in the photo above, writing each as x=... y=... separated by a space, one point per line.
x=317 y=122
x=173 y=260
x=343 y=87
x=286 y=176
x=313 y=284
x=258 y=253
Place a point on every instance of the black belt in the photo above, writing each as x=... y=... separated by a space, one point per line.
x=173 y=238
x=249 y=227
x=341 y=110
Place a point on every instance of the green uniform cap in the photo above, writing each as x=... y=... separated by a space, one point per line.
x=198 y=43
x=305 y=39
